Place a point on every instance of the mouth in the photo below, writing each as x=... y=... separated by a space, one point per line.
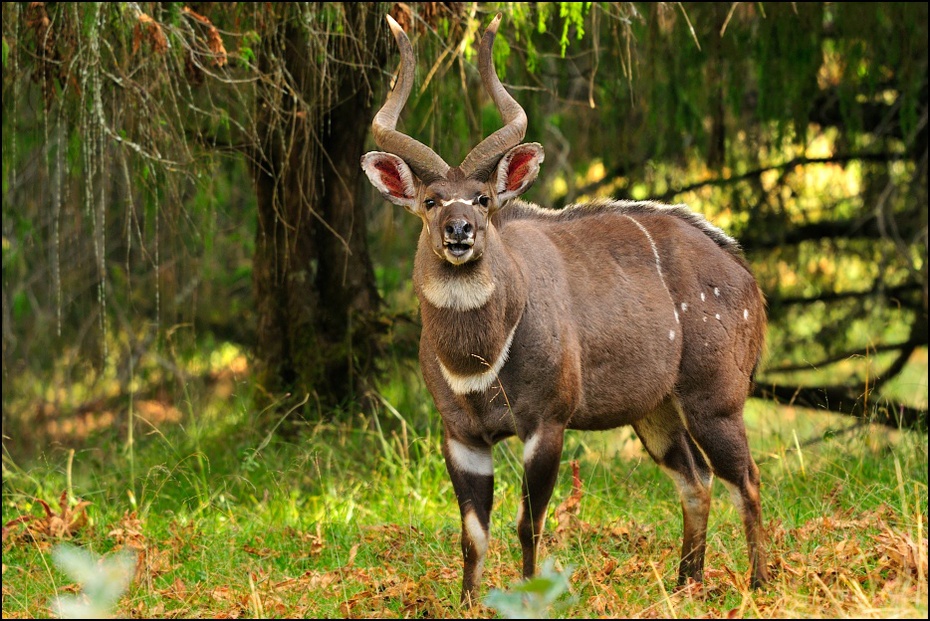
x=458 y=252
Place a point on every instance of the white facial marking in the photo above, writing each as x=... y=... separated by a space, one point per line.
x=477 y=534
x=746 y=313
x=455 y=199
x=684 y=307
x=671 y=335
x=461 y=294
x=479 y=382
x=716 y=292
x=471 y=459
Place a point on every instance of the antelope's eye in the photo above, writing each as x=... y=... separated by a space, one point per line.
x=430 y=203
x=484 y=200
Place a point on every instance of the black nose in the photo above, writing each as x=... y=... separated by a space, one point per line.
x=458 y=230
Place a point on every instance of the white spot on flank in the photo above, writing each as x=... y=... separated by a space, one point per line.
x=529 y=448
x=461 y=294
x=684 y=307
x=717 y=316
x=471 y=459
x=478 y=382
x=671 y=335
x=702 y=296
x=745 y=313
x=716 y=292
x=477 y=534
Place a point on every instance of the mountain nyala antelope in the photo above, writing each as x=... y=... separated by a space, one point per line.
x=594 y=316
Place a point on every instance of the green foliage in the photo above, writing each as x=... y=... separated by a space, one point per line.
x=534 y=598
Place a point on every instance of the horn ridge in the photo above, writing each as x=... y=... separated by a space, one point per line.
x=425 y=162
x=486 y=154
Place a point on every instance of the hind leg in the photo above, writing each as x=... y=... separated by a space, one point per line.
x=668 y=443
x=717 y=426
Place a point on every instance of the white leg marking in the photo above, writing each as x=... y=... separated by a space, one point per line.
x=477 y=534
x=471 y=459
x=692 y=495
x=529 y=448
x=735 y=496
x=461 y=294
x=479 y=382
x=479 y=539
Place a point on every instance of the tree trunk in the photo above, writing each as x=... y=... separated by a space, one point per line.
x=317 y=303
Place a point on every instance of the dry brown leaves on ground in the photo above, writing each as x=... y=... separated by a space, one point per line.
x=55 y=525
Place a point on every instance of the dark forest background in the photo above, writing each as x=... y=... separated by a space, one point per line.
x=181 y=181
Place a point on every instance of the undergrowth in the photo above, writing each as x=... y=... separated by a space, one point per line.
x=358 y=519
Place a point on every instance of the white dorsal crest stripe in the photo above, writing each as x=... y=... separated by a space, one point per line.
x=461 y=294
x=471 y=459
x=478 y=382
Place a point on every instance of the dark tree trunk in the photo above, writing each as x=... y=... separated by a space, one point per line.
x=316 y=299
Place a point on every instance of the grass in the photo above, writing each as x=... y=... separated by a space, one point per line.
x=359 y=519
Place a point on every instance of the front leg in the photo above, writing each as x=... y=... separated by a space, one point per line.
x=471 y=469
x=542 y=452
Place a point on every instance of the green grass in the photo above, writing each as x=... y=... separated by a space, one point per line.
x=359 y=519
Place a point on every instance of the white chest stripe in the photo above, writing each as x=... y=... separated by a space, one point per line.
x=479 y=382
x=469 y=459
x=460 y=294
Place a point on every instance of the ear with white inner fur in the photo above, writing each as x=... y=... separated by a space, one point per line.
x=392 y=177
x=517 y=170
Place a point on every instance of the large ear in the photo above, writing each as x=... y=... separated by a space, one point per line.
x=392 y=177
x=517 y=170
